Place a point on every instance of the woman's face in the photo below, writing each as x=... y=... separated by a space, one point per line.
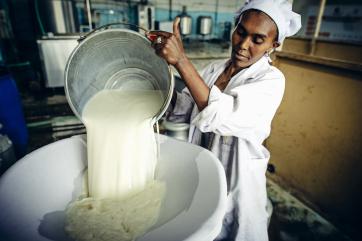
x=254 y=35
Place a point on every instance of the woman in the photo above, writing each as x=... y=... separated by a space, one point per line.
x=231 y=104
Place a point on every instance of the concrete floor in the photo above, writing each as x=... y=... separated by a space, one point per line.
x=294 y=221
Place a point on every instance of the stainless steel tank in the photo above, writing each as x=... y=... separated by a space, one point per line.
x=178 y=131
x=115 y=59
x=204 y=25
x=185 y=22
x=59 y=16
x=7 y=154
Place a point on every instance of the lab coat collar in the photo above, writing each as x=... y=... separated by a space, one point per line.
x=250 y=73
x=255 y=69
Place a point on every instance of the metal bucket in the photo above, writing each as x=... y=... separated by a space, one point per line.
x=115 y=59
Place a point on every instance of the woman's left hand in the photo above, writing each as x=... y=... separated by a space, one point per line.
x=168 y=45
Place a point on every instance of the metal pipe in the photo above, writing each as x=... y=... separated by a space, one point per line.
x=216 y=15
x=38 y=17
x=318 y=26
x=170 y=10
x=89 y=15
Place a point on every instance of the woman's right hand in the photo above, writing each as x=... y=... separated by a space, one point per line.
x=169 y=45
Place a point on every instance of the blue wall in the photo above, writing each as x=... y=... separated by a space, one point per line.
x=163 y=15
x=126 y=13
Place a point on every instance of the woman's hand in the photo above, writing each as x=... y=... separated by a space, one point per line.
x=169 y=45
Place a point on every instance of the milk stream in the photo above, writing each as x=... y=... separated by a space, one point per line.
x=158 y=140
x=124 y=199
x=122 y=150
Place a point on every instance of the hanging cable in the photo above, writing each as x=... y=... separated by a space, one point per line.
x=38 y=17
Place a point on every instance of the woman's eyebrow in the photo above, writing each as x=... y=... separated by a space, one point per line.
x=259 y=35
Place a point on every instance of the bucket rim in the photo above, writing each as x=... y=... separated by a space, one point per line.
x=83 y=40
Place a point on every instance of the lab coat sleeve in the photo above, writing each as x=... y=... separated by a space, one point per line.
x=182 y=108
x=248 y=107
x=180 y=112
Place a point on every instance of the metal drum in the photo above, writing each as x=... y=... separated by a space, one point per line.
x=115 y=59
x=7 y=155
x=178 y=131
x=185 y=22
x=204 y=25
x=59 y=16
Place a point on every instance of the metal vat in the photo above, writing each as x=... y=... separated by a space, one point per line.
x=185 y=22
x=204 y=25
x=59 y=16
x=54 y=53
x=7 y=155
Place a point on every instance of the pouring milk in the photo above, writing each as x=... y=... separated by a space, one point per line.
x=124 y=199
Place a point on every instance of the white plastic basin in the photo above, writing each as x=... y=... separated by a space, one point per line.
x=36 y=190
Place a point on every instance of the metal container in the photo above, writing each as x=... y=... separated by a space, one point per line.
x=178 y=131
x=59 y=16
x=54 y=53
x=115 y=59
x=7 y=155
x=185 y=22
x=204 y=25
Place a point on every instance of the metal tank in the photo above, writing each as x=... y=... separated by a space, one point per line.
x=204 y=25
x=58 y=16
x=7 y=154
x=185 y=22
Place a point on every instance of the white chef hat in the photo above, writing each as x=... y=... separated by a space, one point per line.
x=287 y=21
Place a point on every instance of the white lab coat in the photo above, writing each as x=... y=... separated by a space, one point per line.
x=236 y=122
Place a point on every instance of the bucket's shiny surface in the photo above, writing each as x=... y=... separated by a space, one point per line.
x=115 y=59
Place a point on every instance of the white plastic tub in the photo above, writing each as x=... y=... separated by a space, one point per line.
x=36 y=190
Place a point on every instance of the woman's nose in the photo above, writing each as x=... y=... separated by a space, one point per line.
x=245 y=43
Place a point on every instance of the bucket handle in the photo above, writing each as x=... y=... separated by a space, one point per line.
x=107 y=26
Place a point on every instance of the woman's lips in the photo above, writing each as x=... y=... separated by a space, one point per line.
x=241 y=57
